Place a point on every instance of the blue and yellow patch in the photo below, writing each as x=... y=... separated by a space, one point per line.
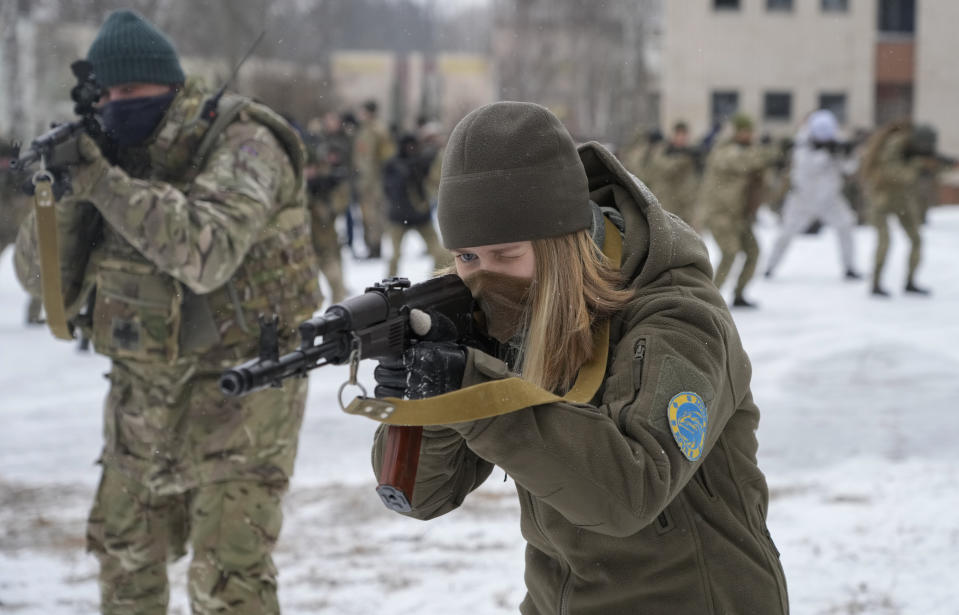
x=687 y=421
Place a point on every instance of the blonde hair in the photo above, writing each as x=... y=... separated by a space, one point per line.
x=575 y=287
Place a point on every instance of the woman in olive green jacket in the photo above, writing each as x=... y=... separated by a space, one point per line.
x=647 y=499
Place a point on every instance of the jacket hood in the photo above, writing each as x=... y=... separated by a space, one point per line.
x=655 y=241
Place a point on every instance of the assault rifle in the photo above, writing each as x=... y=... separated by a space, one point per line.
x=57 y=146
x=373 y=325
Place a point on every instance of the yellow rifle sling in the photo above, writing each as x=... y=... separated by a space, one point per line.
x=43 y=202
x=498 y=396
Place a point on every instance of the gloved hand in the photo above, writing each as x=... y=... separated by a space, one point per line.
x=433 y=365
x=91 y=168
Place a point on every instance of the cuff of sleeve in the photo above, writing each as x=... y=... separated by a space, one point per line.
x=97 y=180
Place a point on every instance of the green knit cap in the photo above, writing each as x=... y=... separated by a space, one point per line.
x=511 y=172
x=129 y=49
x=741 y=121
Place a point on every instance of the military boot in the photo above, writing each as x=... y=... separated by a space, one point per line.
x=740 y=301
x=879 y=291
x=852 y=274
x=917 y=290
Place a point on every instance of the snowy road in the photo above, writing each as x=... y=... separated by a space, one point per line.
x=859 y=402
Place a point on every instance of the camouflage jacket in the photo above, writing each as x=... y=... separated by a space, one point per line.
x=371 y=149
x=892 y=182
x=672 y=176
x=189 y=239
x=731 y=169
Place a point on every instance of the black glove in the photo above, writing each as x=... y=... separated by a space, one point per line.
x=431 y=366
x=426 y=369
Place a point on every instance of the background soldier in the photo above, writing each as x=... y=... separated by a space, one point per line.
x=894 y=159
x=637 y=155
x=406 y=180
x=328 y=188
x=199 y=225
x=731 y=193
x=819 y=163
x=14 y=207
x=673 y=173
x=372 y=147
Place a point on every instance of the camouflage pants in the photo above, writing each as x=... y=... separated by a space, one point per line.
x=732 y=240
x=231 y=528
x=184 y=466
x=909 y=220
x=441 y=257
x=370 y=195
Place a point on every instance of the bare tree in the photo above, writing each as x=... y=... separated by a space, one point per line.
x=582 y=58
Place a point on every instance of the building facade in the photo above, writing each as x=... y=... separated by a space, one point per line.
x=869 y=61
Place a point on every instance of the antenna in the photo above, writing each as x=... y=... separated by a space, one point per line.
x=209 y=107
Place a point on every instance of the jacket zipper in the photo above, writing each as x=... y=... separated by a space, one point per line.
x=639 y=358
x=566 y=586
x=564 y=595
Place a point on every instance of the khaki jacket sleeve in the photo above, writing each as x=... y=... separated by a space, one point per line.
x=613 y=467
x=78 y=229
x=201 y=236
x=896 y=168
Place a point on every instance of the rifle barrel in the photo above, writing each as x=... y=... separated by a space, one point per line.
x=259 y=374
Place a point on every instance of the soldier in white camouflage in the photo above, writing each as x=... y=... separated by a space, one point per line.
x=197 y=225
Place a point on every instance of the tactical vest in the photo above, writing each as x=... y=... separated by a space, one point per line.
x=143 y=314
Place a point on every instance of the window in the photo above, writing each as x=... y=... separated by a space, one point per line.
x=835 y=102
x=726 y=5
x=724 y=104
x=897 y=16
x=835 y=6
x=779 y=5
x=777 y=106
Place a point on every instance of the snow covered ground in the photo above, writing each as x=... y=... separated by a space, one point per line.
x=860 y=403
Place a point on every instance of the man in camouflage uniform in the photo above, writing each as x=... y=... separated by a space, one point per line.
x=328 y=189
x=406 y=180
x=372 y=147
x=731 y=194
x=14 y=206
x=893 y=163
x=672 y=173
x=195 y=226
x=638 y=153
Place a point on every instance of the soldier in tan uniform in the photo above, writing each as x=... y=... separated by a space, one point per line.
x=328 y=188
x=406 y=182
x=731 y=194
x=196 y=226
x=894 y=160
x=14 y=207
x=372 y=147
x=673 y=174
x=637 y=155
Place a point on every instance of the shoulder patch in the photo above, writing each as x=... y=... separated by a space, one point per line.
x=687 y=420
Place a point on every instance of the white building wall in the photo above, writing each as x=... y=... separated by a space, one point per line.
x=937 y=77
x=753 y=50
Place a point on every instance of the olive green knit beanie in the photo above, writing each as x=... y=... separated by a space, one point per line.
x=129 y=49
x=511 y=172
